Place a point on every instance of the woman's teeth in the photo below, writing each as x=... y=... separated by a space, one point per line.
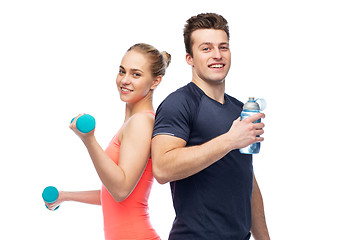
x=125 y=90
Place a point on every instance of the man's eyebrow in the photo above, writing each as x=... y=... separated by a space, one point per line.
x=209 y=43
x=205 y=43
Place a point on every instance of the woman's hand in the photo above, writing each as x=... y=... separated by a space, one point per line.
x=83 y=136
x=52 y=206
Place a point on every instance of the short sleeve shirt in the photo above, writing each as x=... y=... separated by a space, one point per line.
x=216 y=202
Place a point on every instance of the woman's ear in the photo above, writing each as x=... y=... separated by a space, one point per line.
x=156 y=82
x=189 y=59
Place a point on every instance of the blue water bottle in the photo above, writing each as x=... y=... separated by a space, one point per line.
x=250 y=108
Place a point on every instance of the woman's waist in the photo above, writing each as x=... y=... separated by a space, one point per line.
x=126 y=220
x=128 y=224
x=132 y=231
x=127 y=209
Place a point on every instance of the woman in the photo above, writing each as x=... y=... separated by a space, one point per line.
x=125 y=166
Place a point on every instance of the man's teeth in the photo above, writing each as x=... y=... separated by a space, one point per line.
x=125 y=90
x=217 y=66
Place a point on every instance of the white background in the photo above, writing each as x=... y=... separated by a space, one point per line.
x=60 y=58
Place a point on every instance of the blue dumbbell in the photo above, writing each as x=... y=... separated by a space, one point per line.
x=85 y=123
x=50 y=194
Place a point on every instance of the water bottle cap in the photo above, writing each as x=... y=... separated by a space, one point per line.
x=252 y=104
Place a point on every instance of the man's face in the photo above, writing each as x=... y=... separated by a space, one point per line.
x=211 y=55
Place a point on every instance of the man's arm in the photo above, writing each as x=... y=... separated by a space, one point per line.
x=172 y=160
x=259 y=228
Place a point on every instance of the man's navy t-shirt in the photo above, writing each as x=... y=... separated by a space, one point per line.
x=216 y=202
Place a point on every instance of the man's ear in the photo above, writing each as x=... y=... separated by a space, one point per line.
x=189 y=59
x=156 y=82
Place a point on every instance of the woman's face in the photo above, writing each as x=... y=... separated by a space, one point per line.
x=134 y=80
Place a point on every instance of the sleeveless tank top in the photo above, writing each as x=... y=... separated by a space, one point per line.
x=128 y=219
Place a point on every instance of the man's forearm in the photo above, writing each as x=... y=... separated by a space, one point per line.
x=259 y=228
x=182 y=162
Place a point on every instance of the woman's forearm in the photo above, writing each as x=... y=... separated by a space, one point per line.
x=89 y=197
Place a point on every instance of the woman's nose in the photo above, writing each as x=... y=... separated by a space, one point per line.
x=125 y=80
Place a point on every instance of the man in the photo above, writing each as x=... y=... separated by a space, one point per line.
x=195 y=145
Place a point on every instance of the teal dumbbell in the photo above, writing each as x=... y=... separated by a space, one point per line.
x=50 y=194
x=85 y=123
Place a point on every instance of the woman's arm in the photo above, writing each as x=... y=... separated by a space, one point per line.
x=121 y=179
x=89 y=197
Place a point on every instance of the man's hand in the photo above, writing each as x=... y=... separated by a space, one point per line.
x=246 y=132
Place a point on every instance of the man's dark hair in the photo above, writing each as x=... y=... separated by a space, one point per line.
x=203 y=21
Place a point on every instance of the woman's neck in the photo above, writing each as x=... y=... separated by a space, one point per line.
x=143 y=105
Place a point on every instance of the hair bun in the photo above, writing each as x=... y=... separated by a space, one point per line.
x=167 y=58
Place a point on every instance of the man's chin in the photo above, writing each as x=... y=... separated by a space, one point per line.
x=216 y=81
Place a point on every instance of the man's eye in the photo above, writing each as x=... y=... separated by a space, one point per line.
x=122 y=71
x=206 y=49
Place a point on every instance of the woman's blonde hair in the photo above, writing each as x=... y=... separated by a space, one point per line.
x=159 y=60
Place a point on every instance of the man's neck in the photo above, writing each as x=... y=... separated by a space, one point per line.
x=214 y=90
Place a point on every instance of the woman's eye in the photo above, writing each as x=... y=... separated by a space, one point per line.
x=137 y=75
x=206 y=49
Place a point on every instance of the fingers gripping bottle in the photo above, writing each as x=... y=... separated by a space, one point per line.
x=250 y=108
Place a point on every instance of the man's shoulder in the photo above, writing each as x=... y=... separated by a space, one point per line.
x=188 y=94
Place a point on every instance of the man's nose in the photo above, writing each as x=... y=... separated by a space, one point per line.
x=217 y=54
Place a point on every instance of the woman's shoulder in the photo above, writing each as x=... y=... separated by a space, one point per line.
x=140 y=121
x=142 y=116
